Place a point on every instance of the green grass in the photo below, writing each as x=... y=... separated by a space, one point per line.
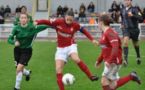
x=42 y=65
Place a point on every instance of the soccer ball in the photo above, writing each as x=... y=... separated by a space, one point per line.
x=68 y=79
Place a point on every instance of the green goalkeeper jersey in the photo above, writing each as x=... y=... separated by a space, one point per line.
x=25 y=35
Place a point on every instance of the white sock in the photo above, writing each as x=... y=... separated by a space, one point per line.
x=18 y=80
x=26 y=72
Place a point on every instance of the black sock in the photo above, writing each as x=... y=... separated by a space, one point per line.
x=125 y=49
x=137 y=51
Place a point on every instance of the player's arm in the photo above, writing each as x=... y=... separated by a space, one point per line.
x=88 y=35
x=113 y=39
x=136 y=14
x=52 y=22
x=99 y=60
x=39 y=28
x=11 y=39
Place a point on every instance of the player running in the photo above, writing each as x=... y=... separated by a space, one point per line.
x=66 y=28
x=22 y=37
x=112 y=56
x=130 y=17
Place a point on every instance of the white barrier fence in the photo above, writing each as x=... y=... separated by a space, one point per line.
x=5 y=30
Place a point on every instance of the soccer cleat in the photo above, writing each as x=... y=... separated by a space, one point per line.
x=138 y=61
x=135 y=77
x=28 y=76
x=94 y=78
x=16 y=89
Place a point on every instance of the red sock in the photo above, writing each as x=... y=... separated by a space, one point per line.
x=59 y=81
x=84 y=68
x=106 y=87
x=123 y=81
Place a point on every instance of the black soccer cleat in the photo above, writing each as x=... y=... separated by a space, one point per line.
x=94 y=78
x=138 y=61
x=16 y=89
x=135 y=77
x=28 y=76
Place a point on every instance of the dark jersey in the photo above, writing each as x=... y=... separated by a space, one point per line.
x=130 y=22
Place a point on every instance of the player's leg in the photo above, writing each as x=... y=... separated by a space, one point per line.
x=124 y=80
x=60 y=59
x=135 y=41
x=23 y=61
x=83 y=66
x=25 y=57
x=126 y=36
x=59 y=73
x=110 y=74
x=19 y=74
x=105 y=83
x=73 y=53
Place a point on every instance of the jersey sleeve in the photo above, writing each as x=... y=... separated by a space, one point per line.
x=51 y=22
x=113 y=40
x=84 y=31
x=100 y=58
x=137 y=14
x=40 y=28
x=11 y=36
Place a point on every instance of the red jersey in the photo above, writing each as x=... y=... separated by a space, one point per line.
x=111 y=47
x=65 y=32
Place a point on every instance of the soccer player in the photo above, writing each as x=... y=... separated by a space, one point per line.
x=23 y=10
x=22 y=37
x=66 y=28
x=111 y=54
x=130 y=17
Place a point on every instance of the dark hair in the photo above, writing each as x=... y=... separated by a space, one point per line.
x=23 y=7
x=106 y=19
x=70 y=13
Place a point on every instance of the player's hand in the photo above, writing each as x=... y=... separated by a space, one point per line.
x=17 y=43
x=130 y=14
x=35 y=23
x=97 y=65
x=95 y=42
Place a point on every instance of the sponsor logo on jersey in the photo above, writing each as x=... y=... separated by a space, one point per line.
x=64 y=34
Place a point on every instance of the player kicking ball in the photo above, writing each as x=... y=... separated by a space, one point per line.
x=112 y=56
x=22 y=37
x=66 y=28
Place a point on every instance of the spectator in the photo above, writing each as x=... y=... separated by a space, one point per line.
x=76 y=15
x=23 y=10
x=1 y=19
x=18 y=9
x=114 y=6
x=115 y=17
x=59 y=11
x=91 y=7
x=65 y=9
x=7 y=11
x=2 y=11
x=82 y=8
x=82 y=16
x=121 y=6
x=144 y=13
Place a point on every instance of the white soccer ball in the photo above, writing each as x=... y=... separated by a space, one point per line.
x=68 y=79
